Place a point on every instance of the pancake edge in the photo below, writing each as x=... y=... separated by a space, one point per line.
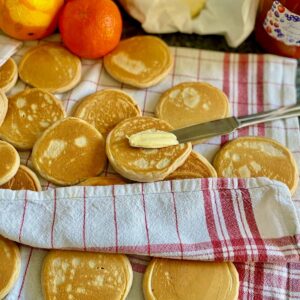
x=14 y=169
x=16 y=271
x=4 y=105
x=13 y=80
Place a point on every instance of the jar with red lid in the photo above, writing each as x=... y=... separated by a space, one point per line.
x=277 y=27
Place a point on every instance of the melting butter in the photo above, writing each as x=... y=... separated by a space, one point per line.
x=152 y=139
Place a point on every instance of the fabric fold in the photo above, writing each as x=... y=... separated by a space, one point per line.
x=207 y=219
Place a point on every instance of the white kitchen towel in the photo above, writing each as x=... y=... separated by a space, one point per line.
x=253 y=83
x=207 y=219
x=8 y=47
x=233 y=19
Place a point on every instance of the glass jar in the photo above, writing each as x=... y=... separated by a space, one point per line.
x=277 y=27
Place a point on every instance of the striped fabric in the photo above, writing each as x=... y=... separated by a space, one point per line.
x=233 y=217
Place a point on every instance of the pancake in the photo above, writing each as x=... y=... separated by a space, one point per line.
x=68 y=275
x=69 y=151
x=101 y=181
x=25 y=179
x=8 y=75
x=190 y=103
x=247 y=157
x=50 y=67
x=106 y=108
x=29 y=114
x=3 y=107
x=167 y=279
x=9 y=162
x=144 y=165
x=140 y=61
x=10 y=263
x=196 y=166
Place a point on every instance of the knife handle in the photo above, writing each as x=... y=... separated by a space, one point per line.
x=271 y=115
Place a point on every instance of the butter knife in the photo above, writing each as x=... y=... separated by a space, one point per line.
x=227 y=125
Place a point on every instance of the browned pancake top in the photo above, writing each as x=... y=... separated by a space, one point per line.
x=25 y=179
x=9 y=264
x=69 y=151
x=192 y=102
x=139 y=60
x=257 y=157
x=8 y=158
x=106 y=108
x=68 y=275
x=167 y=279
x=99 y=181
x=30 y=112
x=49 y=67
x=196 y=166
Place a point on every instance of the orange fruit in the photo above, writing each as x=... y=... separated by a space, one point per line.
x=29 y=19
x=90 y=28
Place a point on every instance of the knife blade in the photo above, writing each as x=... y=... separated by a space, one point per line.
x=211 y=129
x=206 y=130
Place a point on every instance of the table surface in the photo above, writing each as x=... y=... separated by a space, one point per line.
x=208 y=42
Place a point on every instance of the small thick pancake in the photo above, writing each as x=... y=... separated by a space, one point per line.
x=50 y=67
x=29 y=114
x=192 y=102
x=9 y=162
x=10 y=263
x=167 y=279
x=257 y=157
x=8 y=75
x=69 y=151
x=25 y=179
x=73 y=275
x=196 y=166
x=106 y=108
x=140 y=61
x=3 y=107
x=144 y=165
x=99 y=181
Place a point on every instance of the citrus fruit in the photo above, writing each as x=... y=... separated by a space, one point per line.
x=29 y=19
x=90 y=28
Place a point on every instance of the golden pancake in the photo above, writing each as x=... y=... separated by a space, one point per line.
x=50 y=67
x=144 y=165
x=140 y=61
x=167 y=279
x=10 y=263
x=3 y=107
x=106 y=108
x=68 y=275
x=257 y=157
x=196 y=166
x=25 y=179
x=29 y=114
x=69 y=151
x=98 y=181
x=192 y=102
x=8 y=75
x=9 y=162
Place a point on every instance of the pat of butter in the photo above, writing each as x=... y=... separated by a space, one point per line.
x=152 y=139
